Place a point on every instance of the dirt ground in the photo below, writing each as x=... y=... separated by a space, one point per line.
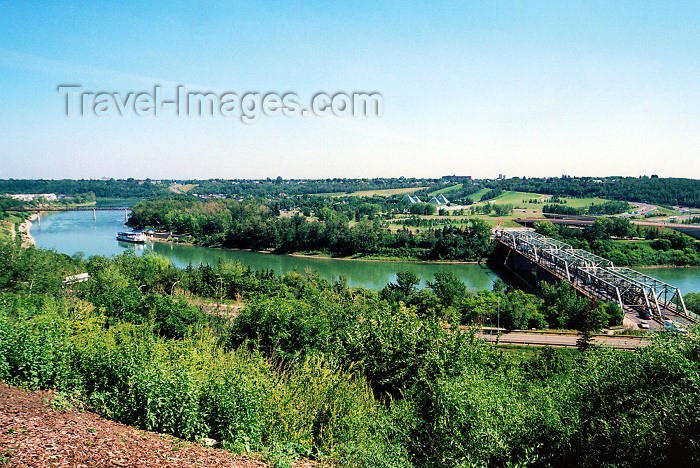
x=32 y=434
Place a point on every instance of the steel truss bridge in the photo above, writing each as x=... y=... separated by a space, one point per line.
x=596 y=277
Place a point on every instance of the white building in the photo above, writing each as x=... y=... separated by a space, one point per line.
x=410 y=199
x=439 y=200
x=32 y=196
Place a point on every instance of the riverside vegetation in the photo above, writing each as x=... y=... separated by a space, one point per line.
x=336 y=229
x=361 y=228
x=315 y=369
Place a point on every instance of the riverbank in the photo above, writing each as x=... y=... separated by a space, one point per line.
x=25 y=231
x=326 y=256
x=383 y=259
x=372 y=258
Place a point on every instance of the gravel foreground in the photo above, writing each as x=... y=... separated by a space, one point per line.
x=32 y=434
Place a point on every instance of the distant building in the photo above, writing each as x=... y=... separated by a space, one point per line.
x=410 y=199
x=32 y=196
x=456 y=178
x=209 y=197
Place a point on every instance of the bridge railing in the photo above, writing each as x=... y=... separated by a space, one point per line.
x=629 y=288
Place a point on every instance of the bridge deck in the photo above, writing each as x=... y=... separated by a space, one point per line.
x=597 y=278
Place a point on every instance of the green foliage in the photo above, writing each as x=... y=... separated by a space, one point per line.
x=113 y=289
x=285 y=328
x=605 y=208
x=315 y=369
x=692 y=302
x=448 y=288
x=191 y=388
x=657 y=190
x=491 y=194
x=128 y=188
x=406 y=283
x=511 y=309
x=617 y=408
x=254 y=225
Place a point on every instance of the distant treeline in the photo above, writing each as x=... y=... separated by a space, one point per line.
x=606 y=208
x=286 y=187
x=655 y=190
x=112 y=188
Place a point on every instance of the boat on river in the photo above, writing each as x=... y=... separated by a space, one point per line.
x=133 y=236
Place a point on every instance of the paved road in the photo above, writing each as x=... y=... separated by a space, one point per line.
x=562 y=340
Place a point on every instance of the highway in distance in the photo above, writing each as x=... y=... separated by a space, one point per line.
x=564 y=340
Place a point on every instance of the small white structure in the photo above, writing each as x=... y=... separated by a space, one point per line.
x=32 y=196
x=79 y=278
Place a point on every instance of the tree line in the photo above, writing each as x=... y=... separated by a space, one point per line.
x=252 y=224
x=594 y=209
x=111 y=188
x=655 y=190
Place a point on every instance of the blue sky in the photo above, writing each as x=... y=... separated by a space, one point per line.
x=526 y=89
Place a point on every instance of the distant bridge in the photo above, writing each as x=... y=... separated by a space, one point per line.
x=593 y=276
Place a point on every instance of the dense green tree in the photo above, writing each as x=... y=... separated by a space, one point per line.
x=448 y=288
x=692 y=302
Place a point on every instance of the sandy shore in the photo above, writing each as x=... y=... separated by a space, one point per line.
x=25 y=231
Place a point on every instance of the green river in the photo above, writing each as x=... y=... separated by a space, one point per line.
x=76 y=231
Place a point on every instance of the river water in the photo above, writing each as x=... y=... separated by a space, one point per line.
x=76 y=231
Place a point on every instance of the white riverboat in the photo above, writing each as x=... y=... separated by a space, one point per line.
x=135 y=237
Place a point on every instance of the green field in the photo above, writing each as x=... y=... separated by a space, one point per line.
x=516 y=199
x=451 y=188
x=187 y=187
x=511 y=198
x=380 y=193
x=476 y=196
x=667 y=211
x=506 y=221
x=584 y=202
